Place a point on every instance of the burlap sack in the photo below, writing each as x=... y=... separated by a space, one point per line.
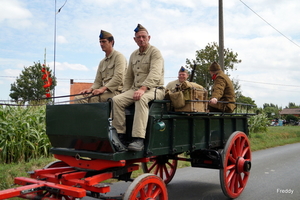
x=177 y=99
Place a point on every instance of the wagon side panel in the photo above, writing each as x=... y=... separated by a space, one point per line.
x=79 y=126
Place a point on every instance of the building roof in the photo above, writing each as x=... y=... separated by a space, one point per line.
x=76 y=87
x=290 y=111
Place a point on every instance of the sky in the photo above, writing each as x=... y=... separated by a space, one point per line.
x=264 y=34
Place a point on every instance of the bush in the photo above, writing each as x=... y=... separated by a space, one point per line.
x=291 y=119
x=258 y=123
x=23 y=134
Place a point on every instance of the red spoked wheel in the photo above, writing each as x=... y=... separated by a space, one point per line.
x=147 y=187
x=163 y=166
x=57 y=163
x=236 y=165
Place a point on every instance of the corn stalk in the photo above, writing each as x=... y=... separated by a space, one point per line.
x=22 y=134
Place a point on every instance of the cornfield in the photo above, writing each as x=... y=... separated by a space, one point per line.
x=23 y=134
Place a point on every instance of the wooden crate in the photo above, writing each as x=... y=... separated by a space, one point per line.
x=193 y=100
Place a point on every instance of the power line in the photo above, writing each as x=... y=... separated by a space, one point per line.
x=73 y=78
x=8 y=76
x=57 y=78
x=271 y=89
x=269 y=83
x=269 y=24
x=174 y=78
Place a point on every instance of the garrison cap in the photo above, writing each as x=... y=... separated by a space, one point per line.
x=104 y=34
x=214 y=67
x=182 y=69
x=140 y=28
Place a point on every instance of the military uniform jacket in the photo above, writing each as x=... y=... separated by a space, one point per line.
x=171 y=86
x=223 y=89
x=111 y=72
x=145 y=69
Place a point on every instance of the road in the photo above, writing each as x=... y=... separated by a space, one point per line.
x=275 y=174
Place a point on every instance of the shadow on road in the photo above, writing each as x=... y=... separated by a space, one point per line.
x=195 y=190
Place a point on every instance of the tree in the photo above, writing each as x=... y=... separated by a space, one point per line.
x=204 y=58
x=293 y=105
x=271 y=112
x=291 y=119
x=246 y=100
x=269 y=105
x=30 y=86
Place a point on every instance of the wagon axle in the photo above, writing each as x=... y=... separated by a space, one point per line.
x=242 y=165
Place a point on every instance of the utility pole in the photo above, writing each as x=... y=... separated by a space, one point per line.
x=54 y=61
x=45 y=57
x=221 y=35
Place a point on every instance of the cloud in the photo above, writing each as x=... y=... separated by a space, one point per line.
x=61 y=39
x=67 y=66
x=12 y=72
x=178 y=28
x=13 y=14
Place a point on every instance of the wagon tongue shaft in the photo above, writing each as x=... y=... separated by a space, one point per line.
x=32 y=187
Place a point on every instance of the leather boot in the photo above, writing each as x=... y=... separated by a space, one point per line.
x=136 y=145
x=122 y=138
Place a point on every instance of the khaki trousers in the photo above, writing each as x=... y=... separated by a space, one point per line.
x=221 y=107
x=96 y=99
x=140 y=120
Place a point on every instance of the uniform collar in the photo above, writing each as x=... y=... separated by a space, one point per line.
x=145 y=52
x=110 y=55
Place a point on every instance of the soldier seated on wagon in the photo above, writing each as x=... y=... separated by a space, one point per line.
x=183 y=75
x=109 y=78
x=143 y=83
x=186 y=96
x=222 y=90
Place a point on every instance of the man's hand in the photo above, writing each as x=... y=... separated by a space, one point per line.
x=99 y=91
x=86 y=91
x=139 y=93
x=213 y=101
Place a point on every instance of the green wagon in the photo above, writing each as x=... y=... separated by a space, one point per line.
x=83 y=141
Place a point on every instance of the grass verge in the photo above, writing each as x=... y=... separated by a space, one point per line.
x=275 y=136
x=9 y=171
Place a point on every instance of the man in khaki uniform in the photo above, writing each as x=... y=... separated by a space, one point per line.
x=183 y=75
x=143 y=82
x=110 y=73
x=222 y=90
